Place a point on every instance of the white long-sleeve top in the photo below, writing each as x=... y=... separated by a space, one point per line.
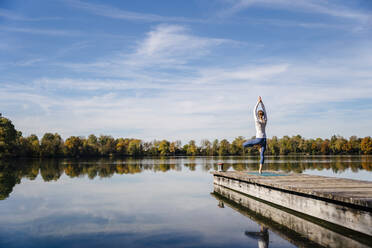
x=260 y=124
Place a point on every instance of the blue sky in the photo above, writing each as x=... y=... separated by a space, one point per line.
x=186 y=69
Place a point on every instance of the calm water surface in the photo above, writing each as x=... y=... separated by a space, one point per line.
x=140 y=203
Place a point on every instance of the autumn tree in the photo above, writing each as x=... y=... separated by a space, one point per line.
x=366 y=145
x=74 y=146
x=29 y=146
x=175 y=147
x=324 y=148
x=122 y=146
x=164 y=148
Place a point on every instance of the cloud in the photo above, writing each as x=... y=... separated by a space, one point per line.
x=246 y=74
x=8 y=14
x=37 y=31
x=165 y=46
x=167 y=87
x=219 y=107
x=312 y=6
x=172 y=44
x=115 y=13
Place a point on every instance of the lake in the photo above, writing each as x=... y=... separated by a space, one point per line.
x=148 y=202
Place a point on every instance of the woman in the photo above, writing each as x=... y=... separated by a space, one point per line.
x=260 y=118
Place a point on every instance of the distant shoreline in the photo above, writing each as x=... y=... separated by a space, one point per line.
x=13 y=144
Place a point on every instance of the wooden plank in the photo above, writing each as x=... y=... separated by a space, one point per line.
x=319 y=185
x=332 y=189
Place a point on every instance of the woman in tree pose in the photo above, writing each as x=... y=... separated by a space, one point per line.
x=260 y=118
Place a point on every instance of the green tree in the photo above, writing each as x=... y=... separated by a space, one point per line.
x=355 y=144
x=163 y=148
x=236 y=147
x=338 y=144
x=284 y=145
x=273 y=146
x=191 y=148
x=135 y=148
x=295 y=144
x=206 y=148
x=51 y=145
x=107 y=145
x=215 y=147
x=224 y=148
x=91 y=146
x=8 y=137
x=34 y=143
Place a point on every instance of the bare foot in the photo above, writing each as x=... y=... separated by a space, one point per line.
x=260 y=169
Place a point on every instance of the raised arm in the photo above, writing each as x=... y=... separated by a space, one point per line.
x=264 y=110
x=255 y=111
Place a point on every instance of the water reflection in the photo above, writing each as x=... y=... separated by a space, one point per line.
x=11 y=172
x=136 y=203
x=299 y=229
x=262 y=236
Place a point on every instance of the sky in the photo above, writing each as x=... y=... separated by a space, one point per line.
x=183 y=70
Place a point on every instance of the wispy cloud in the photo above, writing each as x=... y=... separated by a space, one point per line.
x=171 y=45
x=11 y=15
x=8 y=14
x=298 y=24
x=116 y=13
x=165 y=46
x=312 y=6
x=38 y=31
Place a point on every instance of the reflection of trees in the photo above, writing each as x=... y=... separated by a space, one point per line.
x=299 y=164
x=12 y=171
x=51 y=170
x=7 y=181
x=191 y=166
x=9 y=178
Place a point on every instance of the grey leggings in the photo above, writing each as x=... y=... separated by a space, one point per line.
x=257 y=141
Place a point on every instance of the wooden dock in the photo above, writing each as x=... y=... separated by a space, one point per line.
x=343 y=202
x=300 y=230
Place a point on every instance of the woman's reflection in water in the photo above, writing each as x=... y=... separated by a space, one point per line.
x=262 y=236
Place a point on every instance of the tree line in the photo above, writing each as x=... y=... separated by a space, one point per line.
x=13 y=144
